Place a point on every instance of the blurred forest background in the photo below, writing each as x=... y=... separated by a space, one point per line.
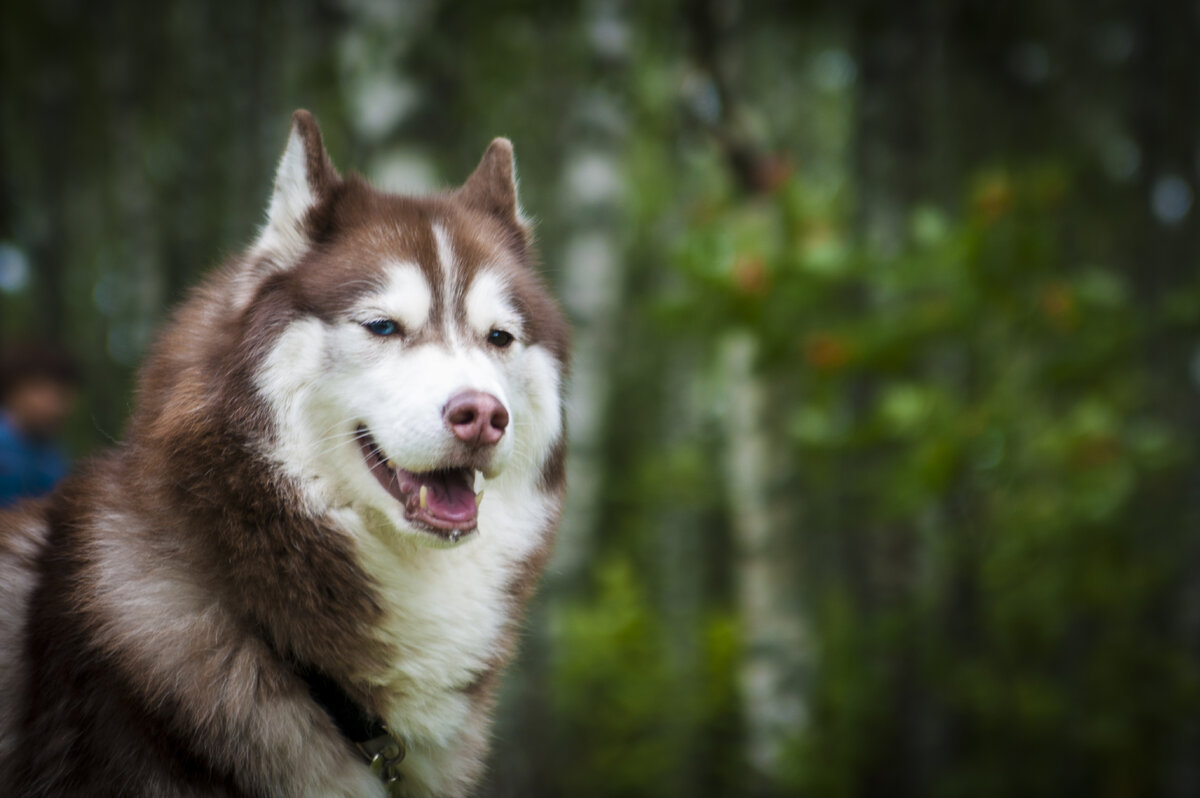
x=885 y=420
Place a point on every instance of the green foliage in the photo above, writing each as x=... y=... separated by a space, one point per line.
x=977 y=400
x=628 y=715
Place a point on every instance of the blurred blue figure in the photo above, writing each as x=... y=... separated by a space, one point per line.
x=37 y=389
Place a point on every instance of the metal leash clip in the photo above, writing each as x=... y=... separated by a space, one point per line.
x=384 y=755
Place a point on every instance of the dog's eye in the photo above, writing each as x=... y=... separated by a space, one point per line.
x=383 y=327
x=499 y=338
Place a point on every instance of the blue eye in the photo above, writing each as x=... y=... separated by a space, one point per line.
x=499 y=338
x=383 y=327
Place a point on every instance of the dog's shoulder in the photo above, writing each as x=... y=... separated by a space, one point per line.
x=23 y=532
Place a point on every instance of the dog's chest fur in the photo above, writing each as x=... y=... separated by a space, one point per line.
x=447 y=615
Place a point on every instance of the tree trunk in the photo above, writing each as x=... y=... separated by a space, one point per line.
x=776 y=640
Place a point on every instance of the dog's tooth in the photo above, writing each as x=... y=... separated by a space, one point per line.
x=479 y=482
x=424 y=497
x=391 y=464
x=478 y=499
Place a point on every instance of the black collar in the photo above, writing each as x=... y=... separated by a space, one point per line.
x=381 y=750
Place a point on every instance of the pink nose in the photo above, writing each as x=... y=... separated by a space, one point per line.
x=476 y=418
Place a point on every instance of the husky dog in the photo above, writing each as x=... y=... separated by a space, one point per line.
x=301 y=572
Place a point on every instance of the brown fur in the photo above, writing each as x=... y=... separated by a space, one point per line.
x=178 y=579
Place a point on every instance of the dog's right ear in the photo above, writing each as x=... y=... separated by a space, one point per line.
x=304 y=177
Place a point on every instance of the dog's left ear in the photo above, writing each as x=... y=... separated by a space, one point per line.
x=304 y=177
x=492 y=187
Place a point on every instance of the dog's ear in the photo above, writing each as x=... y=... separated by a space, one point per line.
x=304 y=177
x=492 y=187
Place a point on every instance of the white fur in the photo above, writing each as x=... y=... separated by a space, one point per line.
x=406 y=299
x=283 y=233
x=446 y=608
x=489 y=308
x=446 y=262
x=288 y=380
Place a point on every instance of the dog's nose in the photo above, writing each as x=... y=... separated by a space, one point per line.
x=476 y=418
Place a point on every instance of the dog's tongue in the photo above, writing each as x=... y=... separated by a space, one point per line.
x=451 y=495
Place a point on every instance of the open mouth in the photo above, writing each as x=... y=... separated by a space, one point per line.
x=442 y=502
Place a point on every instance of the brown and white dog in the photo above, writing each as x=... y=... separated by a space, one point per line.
x=294 y=538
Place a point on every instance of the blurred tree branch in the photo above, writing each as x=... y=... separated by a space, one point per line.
x=712 y=25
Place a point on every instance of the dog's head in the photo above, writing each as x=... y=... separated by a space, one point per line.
x=413 y=356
